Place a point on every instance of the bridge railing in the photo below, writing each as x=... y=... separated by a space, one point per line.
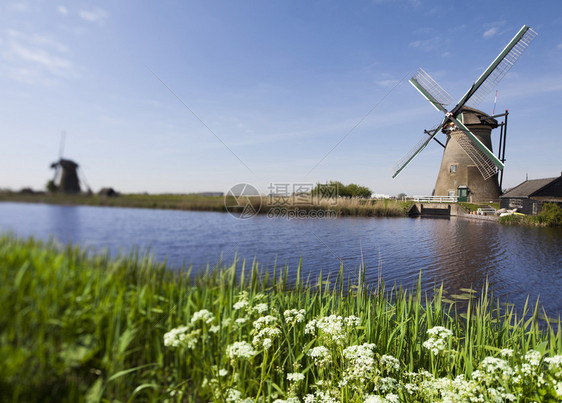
x=434 y=199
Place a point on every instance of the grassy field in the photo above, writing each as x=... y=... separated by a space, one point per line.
x=76 y=327
x=341 y=206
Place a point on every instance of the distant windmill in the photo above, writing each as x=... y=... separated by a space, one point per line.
x=66 y=172
x=468 y=163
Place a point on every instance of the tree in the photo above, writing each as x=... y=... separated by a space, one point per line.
x=336 y=188
x=51 y=187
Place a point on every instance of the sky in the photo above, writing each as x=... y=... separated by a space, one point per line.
x=197 y=96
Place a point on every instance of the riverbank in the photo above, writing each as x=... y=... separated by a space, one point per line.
x=76 y=327
x=339 y=207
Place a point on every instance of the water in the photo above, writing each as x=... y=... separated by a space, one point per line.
x=461 y=253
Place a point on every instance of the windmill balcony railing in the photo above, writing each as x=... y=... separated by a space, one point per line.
x=434 y=199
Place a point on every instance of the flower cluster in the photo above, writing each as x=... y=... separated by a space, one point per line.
x=240 y=349
x=293 y=316
x=360 y=363
x=181 y=336
x=203 y=315
x=333 y=329
x=321 y=356
x=438 y=339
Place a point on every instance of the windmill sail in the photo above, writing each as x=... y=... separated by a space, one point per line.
x=418 y=148
x=432 y=91
x=498 y=69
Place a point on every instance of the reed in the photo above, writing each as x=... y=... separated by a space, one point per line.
x=341 y=206
x=82 y=327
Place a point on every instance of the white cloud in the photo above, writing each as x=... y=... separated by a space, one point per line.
x=62 y=9
x=35 y=58
x=490 y=33
x=492 y=29
x=37 y=40
x=426 y=44
x=387 y=83
x=96 y=15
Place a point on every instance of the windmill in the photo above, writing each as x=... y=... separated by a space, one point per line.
x=468 y=164
x=66 y=173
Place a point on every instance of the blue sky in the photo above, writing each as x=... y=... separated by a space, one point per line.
x=280 y=83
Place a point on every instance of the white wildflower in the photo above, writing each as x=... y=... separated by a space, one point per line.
x=440 y=331
x=352 y=321
x=203 y=315
x=233 y=395
x=223 y=372
x=241 y=321
x=360 y=362
x=240 y=305
x=390 y=363
x=387 y=385
x=267 y=343
x=373 y=399
x=411 y=388
x=497 y=367
x=437 y=342
x=310 y=327
x=506 y=352
x=555 y=365
x=214 y=329
x=179 y=337
x=533 y=357
x=320 y=396
x=174 y=337
x=321 y=356
x=295 y=377
x=294 y=315
x=392 y=398
x=240 y=349
x=264 y=321
x=332 y=329
x=260 y=308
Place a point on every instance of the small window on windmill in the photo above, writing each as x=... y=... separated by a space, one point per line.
x=451 y=193
x=453 y=168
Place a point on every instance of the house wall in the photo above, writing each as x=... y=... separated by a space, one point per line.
x=522 y=204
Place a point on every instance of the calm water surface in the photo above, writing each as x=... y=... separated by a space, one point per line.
x=460 y=253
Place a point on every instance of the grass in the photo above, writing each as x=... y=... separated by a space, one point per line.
x=550 y=216
x=341 y=206
x=76 y=327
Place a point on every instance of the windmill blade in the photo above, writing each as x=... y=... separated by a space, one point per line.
x=498 y=69
x=61 y=148
x=418 y=148
x=431 y=91
x=482 y=162
x=478 y=145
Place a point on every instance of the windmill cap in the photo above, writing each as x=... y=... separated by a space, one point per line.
x=473 y=116
x=64 y=163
